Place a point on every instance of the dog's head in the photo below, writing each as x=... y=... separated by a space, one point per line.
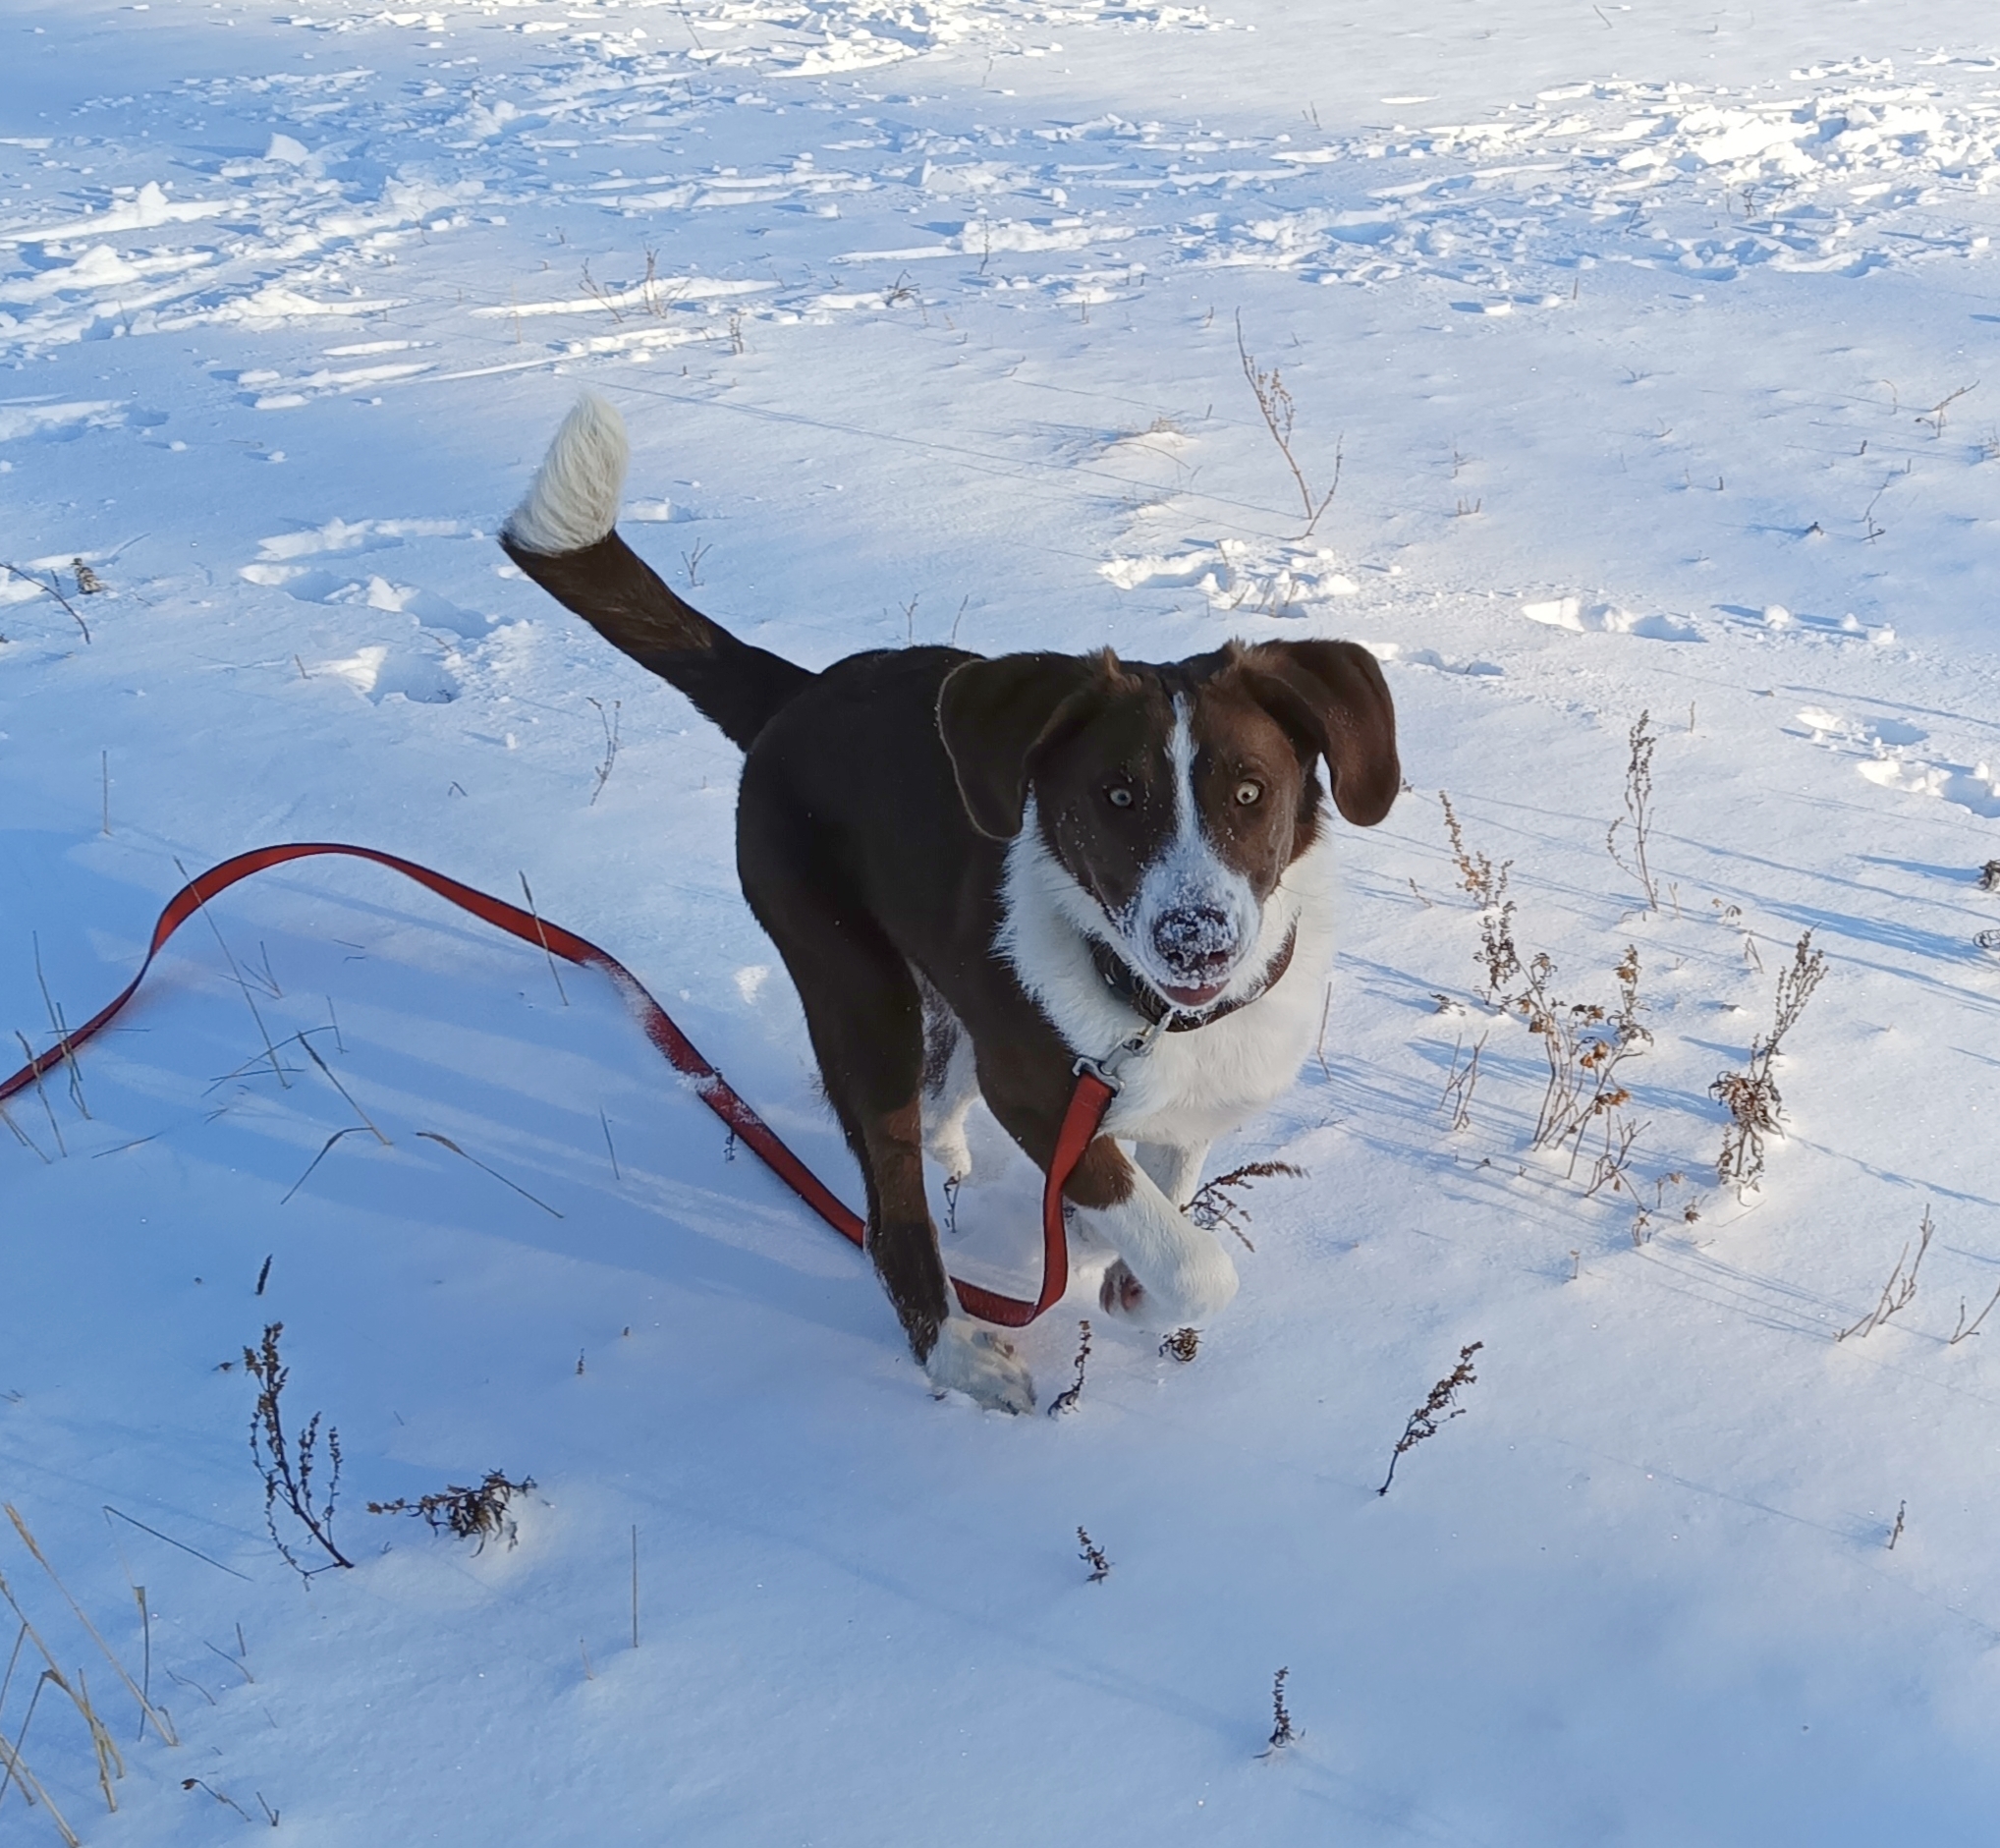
x=1174 y=796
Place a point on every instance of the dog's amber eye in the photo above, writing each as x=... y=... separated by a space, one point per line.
x=1248 y=791
x=1118 y=796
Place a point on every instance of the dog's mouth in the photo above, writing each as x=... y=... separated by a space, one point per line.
x=1192 y=999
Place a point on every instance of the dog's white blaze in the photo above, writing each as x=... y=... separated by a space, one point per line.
x=1191 y=1088
x=573 y=500
x=1188 y=875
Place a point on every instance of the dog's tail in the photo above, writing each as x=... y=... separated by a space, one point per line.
x=564 y=536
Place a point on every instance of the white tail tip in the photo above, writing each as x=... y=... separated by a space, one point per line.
x=573 y=500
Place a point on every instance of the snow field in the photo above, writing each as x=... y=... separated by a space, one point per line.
x=1641 y=390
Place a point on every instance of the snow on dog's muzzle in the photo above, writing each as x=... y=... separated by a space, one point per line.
x=1197 y=947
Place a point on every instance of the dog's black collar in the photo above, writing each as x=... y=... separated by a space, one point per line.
x=1152 y=1007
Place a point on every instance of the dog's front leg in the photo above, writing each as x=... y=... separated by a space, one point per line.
x=957 y=1354
x=1175 y=1171
x=1169 y=1273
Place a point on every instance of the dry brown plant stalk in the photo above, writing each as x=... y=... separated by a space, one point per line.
x=288 y=1467
x=1638 y=815
x=1901 y=1289
x=162 y=1724
x=1487 y=885
x=609 y=719
x=1751 y=1096
x=52 y=588
x=1283 y=1733
x=1066 y=1400
x=1219 y=1203
x=475 y=1514
x=1437 y=1411
x=15 y=1768
x=1092 y=1555
x=1274 y=402
x=1966 y=1330
x=1461 y=1083
x=1613 y=1166
x=598 y=293
x=1181 y=1345
x=1584 y=1043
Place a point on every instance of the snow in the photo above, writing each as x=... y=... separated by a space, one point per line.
x=1657 y=357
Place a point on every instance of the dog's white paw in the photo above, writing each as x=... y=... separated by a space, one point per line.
x=1188 y=1294
x=980 y=1364
x=952 y=1153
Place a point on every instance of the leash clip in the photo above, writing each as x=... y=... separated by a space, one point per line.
x=1106 y=1070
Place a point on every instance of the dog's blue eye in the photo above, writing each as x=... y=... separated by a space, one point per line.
x=1118 y=796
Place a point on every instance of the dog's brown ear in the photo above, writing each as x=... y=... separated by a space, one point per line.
x=1332 y=696
x=994 y=715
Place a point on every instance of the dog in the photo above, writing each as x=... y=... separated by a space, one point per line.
x=979 y=870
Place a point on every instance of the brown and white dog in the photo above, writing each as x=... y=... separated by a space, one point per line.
x=977 y=870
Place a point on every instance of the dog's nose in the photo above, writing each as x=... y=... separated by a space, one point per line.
x=1196 y=939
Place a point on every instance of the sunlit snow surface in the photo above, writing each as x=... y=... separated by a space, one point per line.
x=1656 y=360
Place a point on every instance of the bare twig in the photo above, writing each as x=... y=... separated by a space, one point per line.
x=1935 y=416
x=609 y=721
x=475 y=1514
x=182 y=1546
x=1282 y=1731
x=1966 y=1330
x=50 y=588
x=431 y=1136
x=164 y=1726
x=1092 y=1555
x=598 y=293
x=1181 y=1345
x=1462 y=1081
x=1066 y=1400
x=1219 y=1203
x=42 y=1091
x=1426 y=1421
x=31 y=1787
x=236 y=974
x=368 y=1121
x=1751 y=1096
x=1901 y=1289
x=1487 y=885
x=1274 y=402
x=541 y=937
x=1638 y=815
x=198 y=1783
x=325 y=1149
x=286 y=1465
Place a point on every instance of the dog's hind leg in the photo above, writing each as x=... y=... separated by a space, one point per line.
x=866 y=1018
x=951 y=1086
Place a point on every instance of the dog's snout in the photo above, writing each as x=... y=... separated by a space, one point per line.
x=1195 y=937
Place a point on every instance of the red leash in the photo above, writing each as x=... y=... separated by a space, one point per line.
x=1087 y=1102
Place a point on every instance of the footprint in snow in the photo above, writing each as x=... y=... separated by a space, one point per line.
x=377 y=592
x=1883 y=740
x=380 y=672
